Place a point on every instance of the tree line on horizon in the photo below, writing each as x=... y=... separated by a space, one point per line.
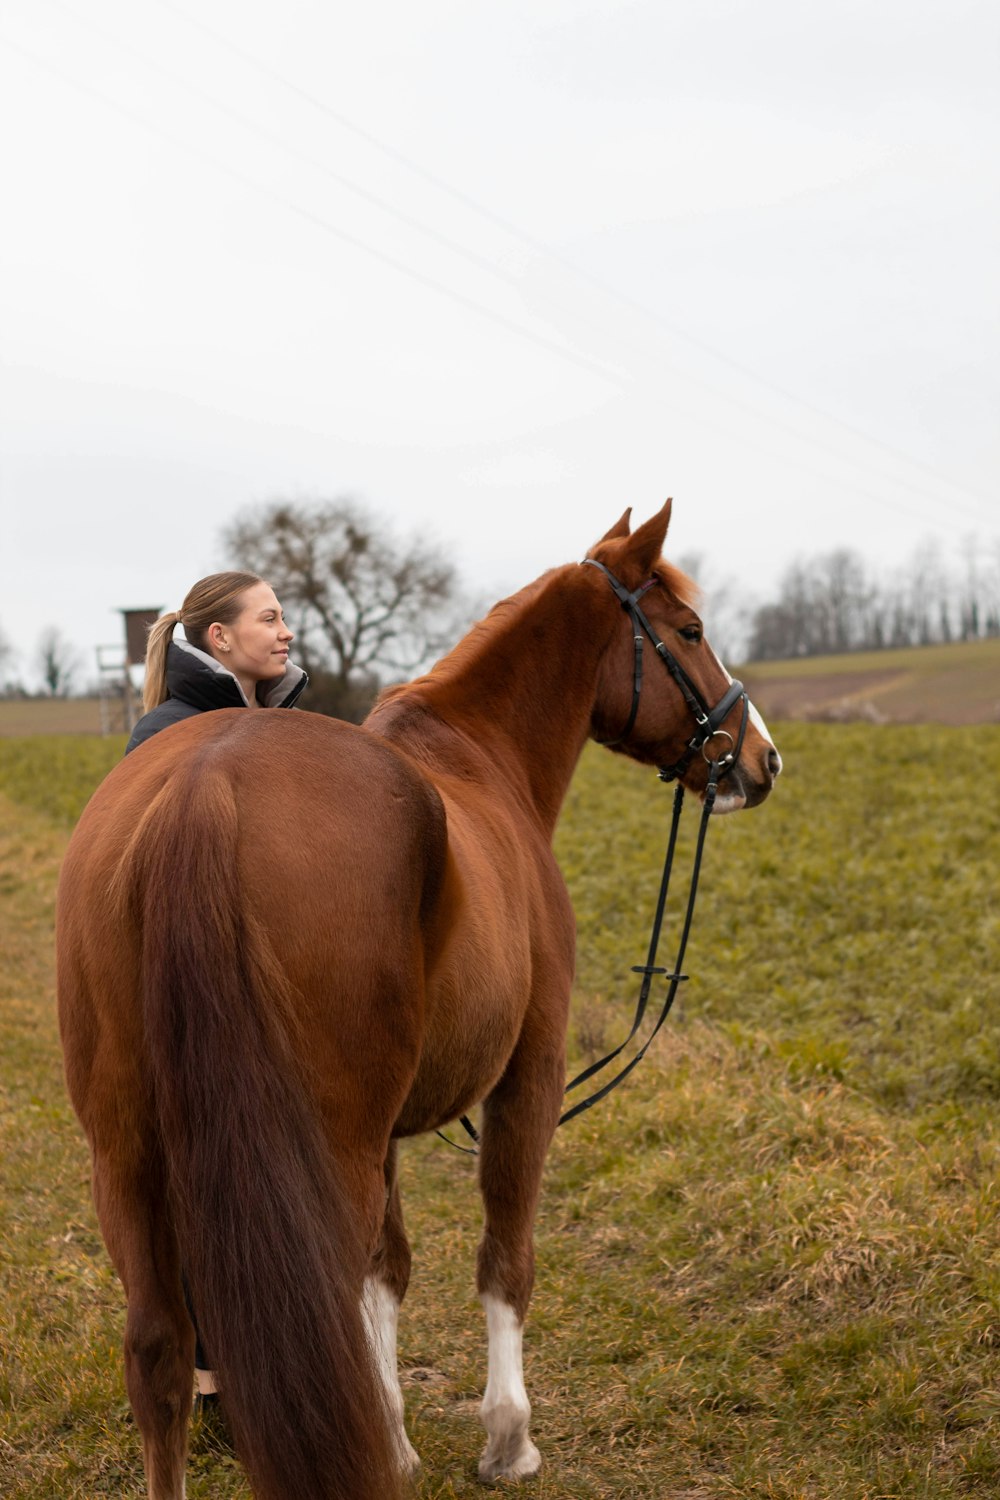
x=837 y=602
x=370 y=607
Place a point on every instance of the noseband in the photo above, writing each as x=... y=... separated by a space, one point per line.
x=708 y=721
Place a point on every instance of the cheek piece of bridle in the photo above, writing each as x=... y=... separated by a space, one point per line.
x=708 y=728
x=708 y=721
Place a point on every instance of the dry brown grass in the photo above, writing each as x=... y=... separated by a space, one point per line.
x=24 y=716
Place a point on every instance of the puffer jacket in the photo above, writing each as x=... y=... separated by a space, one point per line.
x=197 y=683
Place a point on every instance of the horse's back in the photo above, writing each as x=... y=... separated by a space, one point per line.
x=319 y=803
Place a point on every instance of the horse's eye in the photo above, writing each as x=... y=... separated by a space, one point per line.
x=691 y=633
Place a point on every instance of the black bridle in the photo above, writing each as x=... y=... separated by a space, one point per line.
x=708 y=727
x=708 y=721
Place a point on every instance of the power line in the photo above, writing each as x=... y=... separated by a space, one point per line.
x=539 y=247
x=551 y=346
x=594 y=367
x=481 y=262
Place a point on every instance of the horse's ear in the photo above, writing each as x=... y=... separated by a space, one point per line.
x=620 y=528
x=646 y=542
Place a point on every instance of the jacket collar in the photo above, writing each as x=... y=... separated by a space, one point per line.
x=197 y=678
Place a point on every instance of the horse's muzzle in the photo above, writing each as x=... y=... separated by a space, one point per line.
x=744 y=788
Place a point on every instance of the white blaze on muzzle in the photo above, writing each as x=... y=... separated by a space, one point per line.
x=756 y=717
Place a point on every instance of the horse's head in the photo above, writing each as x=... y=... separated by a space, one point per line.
x=663 y=696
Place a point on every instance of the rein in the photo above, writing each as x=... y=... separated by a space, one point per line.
x=707 y=722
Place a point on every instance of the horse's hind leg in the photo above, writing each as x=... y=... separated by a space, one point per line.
x=518 y=1121
x=385 y=1288
x=159 y=1338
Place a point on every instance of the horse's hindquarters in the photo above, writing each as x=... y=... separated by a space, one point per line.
x=241 y=1022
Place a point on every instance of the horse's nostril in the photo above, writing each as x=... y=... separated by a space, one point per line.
x=773 y=761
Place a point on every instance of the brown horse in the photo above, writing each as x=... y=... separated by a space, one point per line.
x=284 y=943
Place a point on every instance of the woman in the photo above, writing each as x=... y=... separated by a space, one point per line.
x=235 y=655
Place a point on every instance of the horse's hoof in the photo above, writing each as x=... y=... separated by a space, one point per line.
x=494 y=1468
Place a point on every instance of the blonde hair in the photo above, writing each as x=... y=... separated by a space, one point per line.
x=215 y=598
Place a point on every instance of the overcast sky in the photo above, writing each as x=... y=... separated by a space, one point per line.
x=496 y=270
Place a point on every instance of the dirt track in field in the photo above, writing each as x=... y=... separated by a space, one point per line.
x=834 y=695
x=936 y=685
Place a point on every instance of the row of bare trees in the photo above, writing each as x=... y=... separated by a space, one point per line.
x=838 y=602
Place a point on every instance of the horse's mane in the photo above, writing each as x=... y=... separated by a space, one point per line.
x=498 y=621
x=506 y=615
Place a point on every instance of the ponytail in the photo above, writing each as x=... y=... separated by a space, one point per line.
x=154 y=689
x=217 y=597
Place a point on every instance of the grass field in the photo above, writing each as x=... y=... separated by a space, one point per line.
x=769 y=1266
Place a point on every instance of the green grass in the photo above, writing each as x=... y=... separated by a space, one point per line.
x=854 y=920
x=55 y=774
x=768 y=1266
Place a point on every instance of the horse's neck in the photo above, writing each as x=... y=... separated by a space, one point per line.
x=514 y=698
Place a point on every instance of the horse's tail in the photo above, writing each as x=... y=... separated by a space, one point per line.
x=268 y=1243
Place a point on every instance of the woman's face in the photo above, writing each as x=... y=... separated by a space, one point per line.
x=254 y=646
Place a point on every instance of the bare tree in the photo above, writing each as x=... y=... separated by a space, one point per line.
x=844 y=598
x=825 y=604
x=786 y=626
x=57 y=661
x=832 y=603
x=365 y=606
x=992 y=590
